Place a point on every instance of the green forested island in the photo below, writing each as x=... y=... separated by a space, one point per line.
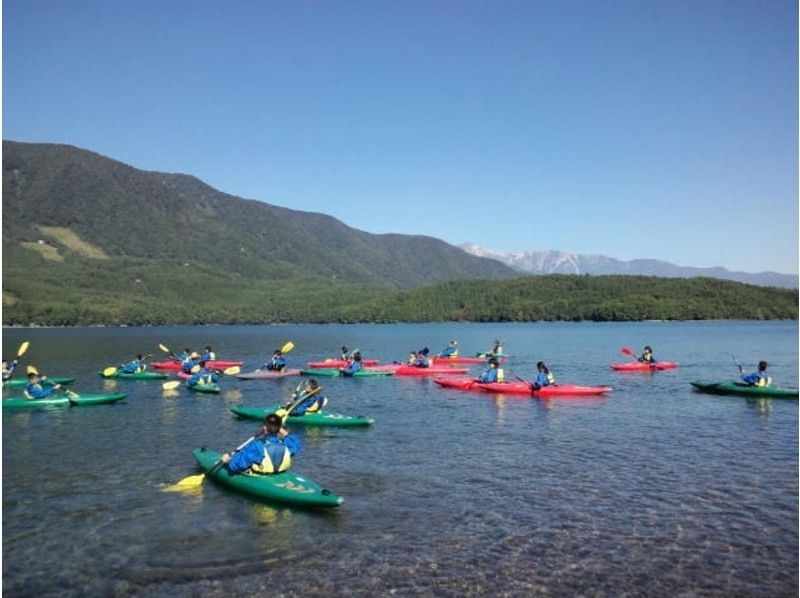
x=90 y=241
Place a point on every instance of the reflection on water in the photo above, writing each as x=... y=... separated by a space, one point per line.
x=653 y=489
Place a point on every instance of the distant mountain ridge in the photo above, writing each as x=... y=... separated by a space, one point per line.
x=561 y=262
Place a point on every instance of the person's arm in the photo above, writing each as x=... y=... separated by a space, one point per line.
x=251 y=453
x=290 y=441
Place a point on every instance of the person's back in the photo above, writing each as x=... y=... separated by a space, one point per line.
x=270 y=452
x=354 y=366
x=450 y=351
x=759 y=377
x=134 y=366
x=492 y=374
x=208 y=354
x=202 y=375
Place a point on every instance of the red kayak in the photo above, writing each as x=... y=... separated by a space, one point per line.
x=456 y=383
x=408 y=370
x=338 y=363
x=554 y=390
x=462 y=360
x=641 y=366
x=217 y=364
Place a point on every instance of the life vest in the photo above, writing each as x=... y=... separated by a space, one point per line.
x=764 y=381
x=276 y=459
x=551 y=379
x=501 y=375
x=316 y=406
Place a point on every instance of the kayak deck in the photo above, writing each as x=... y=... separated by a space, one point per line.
x=287 y=487
x=640 y=366
x=554 y=390
x=21 y=382
x=319 y=418
x=732 y=387
x=62 y=400
x=268 y=374
x=136 y=376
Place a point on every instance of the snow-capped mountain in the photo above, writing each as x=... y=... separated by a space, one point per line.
x=561 y=262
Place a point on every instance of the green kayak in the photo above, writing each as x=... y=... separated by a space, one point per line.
x=136 y=376
x=206 y=388
x=46 y=382
x=322 y=418
x=333 y=372
x=731 y=387
x=62 y=400
x=287 y=487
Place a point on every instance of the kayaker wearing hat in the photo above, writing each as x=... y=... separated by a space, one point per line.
x=270 y=451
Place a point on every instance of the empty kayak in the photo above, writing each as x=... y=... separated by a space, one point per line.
x=457 y=383
x=136 y=376
x=268 y=374
x=62 y=400
x=46 y=382
x=320 y=418
x=554 y=390
x=331 y=372
x=640 y=366
x=732 y=387
x=287 y=487
x=338 y=363
x=217 y=364
x=408 y=370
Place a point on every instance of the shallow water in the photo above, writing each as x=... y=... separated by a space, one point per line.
x=652 y=490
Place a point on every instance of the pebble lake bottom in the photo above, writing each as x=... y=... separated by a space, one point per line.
x=652 y=490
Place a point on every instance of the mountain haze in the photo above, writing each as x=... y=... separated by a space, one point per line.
x=560 y=262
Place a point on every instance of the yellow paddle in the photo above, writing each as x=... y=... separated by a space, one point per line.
x=23 y=348
x=110 y=371
x=287 y=347
x=171 y=385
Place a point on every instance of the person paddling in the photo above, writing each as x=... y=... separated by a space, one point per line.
x=35 y=390
x=647 y=355
x=421 y=360
x=134 y=366
x=270 y=451
x=354 y=366
x=203 y=375
x=208 y=354
x=493 y=374
x=8 y=369
x=757 y=378
x=189 y=362
x=277 y=363
x=344 y=355
x=310 y=397
x=450 y=351
x=544 y=377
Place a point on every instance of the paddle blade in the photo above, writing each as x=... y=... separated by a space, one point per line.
x=31 y=370
x=232 y=371
x=171 y=385
x=163 y=348
x=23 y=348
x=287 y=347
x=195 y=369
x=187 y=483
x=626 y=351
x=71 y=395
x=110 y=371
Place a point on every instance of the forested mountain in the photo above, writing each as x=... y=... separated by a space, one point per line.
x=87 y=240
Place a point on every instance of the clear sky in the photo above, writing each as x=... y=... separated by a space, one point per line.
x=632 y=129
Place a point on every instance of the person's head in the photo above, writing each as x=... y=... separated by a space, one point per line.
x=357 y=356
x=762 y=366
x=272 y=423
x=344 y=349
x=425 y=351
x=647 y=349
x=493 y=362
x=312 y=384
x=187 y=350
x=139 y=356
x=33 y=377
x=453 y=343
x=412 y=355
x=277 y=353
x=208 y=348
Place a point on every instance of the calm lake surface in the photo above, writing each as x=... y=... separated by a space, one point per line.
x=652 y=490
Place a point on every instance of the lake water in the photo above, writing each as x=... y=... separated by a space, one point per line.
x=652 y=490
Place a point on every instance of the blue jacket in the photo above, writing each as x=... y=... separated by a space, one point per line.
x=755 y=379
x=351 y=369
x=489 y=375
x=253 y=452
x=9 y=372
x=208 y=356
x=449 y=352
x=541 y=380
x=187 y=364
x=37 y=391
x=276 y=363
x=422 y=362
x=204 y=376
x=133 y=366
x=315 y=399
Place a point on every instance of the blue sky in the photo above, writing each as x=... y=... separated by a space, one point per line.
x=636 y=129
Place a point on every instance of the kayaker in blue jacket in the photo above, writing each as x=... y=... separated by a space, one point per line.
x=759 y=377
x=344 y=355
x=450 y=351
x=8 y=369
x=277 y=363
x=647 y=355
x=35 y=389
x=421 y=360
x=354 y=365
x=268 y=452
x=202 y=376
x=544 y=376
x=493 y=374
x=189 y=362
x=208 y=354
x=134 y=366
x=310 y=397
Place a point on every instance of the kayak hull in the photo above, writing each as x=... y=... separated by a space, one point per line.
x=554 y=390
x=268 y=374
x=46 y=382
x=456 y=383
x=732 y=387
x=338 y=363
x=407 y=370
x=219 y=364
x=639 y=366
x=61 y=400
x=332 y=372
x=287 y=487
x=137 y=376
x=463 y=360
x=322 y=418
